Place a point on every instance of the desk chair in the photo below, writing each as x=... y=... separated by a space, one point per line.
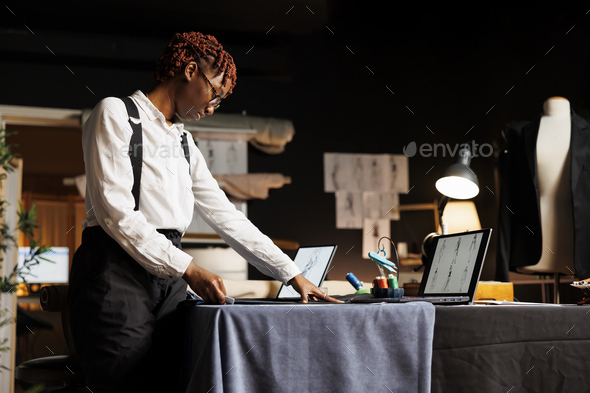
x=27 y=320
x=55 y=370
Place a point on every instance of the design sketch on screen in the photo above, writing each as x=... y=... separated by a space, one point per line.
x=472 y=256
x=434 y=279
x=312 y=261
x=442 y=252
x=459 y=264
x=473 y=249
x=446 y=287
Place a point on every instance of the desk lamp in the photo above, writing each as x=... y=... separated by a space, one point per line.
x=458 y=181
x=461 y=216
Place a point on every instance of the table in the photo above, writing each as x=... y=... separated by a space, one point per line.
x=509 y=348
x=310 y=348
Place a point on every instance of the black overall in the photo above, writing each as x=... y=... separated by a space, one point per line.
x=125 y=332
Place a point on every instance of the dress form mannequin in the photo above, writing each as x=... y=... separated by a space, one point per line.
x=554 y=175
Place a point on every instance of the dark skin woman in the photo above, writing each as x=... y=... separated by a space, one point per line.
x=130 y=274
x=193 y=91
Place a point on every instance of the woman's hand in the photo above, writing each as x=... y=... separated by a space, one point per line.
x=305 y=288
x=207 y=285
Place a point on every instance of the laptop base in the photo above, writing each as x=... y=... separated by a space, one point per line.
x=438 y=300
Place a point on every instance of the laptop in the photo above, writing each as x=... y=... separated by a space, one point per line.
x=314 y=263
x=452 y=271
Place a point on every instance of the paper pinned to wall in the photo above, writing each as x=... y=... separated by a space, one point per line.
x=349 y=210
x=366 y=172
x=369 y=183
x=399 y=180
x=373 y=230
x=381 y=205
x=225 y=157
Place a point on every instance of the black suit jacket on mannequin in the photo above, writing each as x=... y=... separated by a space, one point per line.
x=520 y=242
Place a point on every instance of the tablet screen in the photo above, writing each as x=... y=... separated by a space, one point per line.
x=313 y=263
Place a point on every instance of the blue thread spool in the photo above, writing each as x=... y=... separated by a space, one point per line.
x=355 y=282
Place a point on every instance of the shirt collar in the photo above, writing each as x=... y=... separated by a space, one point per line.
x=152 y=112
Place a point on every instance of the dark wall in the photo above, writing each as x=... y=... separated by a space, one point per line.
x=372 y=81
x=463 y=76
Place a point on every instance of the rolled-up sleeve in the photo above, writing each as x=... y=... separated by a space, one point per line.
x=234 y=227
x=109 y=176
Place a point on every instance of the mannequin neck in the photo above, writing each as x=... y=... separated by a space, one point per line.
x=556 y=107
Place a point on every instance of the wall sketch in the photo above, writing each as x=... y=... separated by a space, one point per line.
x=372 y=205
x=381 y=177
x=381 y=205
x=208 y=153
x=349 y=210
x=366 y=172
x=232 y=158
x=225 y=157
x=399 y=179
x=358 y=173
x=332 y=173
x=373 y=230
x=366 y=188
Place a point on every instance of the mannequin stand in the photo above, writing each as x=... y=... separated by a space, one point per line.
x=556 y=299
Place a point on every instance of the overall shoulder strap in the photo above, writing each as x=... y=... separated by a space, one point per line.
x=187 y=155
x=135 y=147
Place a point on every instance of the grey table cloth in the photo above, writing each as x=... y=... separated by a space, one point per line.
x=512 y=349
x=310 y=348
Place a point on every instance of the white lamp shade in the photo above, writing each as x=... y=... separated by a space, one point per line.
x=461 y=216
x=457 y=187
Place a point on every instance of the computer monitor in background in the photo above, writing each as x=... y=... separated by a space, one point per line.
x=46 y=272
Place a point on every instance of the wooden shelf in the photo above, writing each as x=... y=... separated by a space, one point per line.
x=410 y=261
x=228 y=134
x=216 y=239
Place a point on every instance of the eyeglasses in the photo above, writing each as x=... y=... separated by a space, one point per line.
x=215 y=102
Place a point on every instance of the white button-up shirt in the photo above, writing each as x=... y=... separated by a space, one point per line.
x=168 y=193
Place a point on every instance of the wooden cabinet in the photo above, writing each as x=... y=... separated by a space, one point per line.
x=59 y=218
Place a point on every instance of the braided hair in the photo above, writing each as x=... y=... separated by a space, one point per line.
x=194 y=46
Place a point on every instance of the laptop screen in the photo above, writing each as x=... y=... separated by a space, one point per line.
x=313 y=263
x=456 y=263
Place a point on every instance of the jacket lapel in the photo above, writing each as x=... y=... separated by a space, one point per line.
x=578 y=147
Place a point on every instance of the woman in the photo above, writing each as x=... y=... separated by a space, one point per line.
x=145 y=177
